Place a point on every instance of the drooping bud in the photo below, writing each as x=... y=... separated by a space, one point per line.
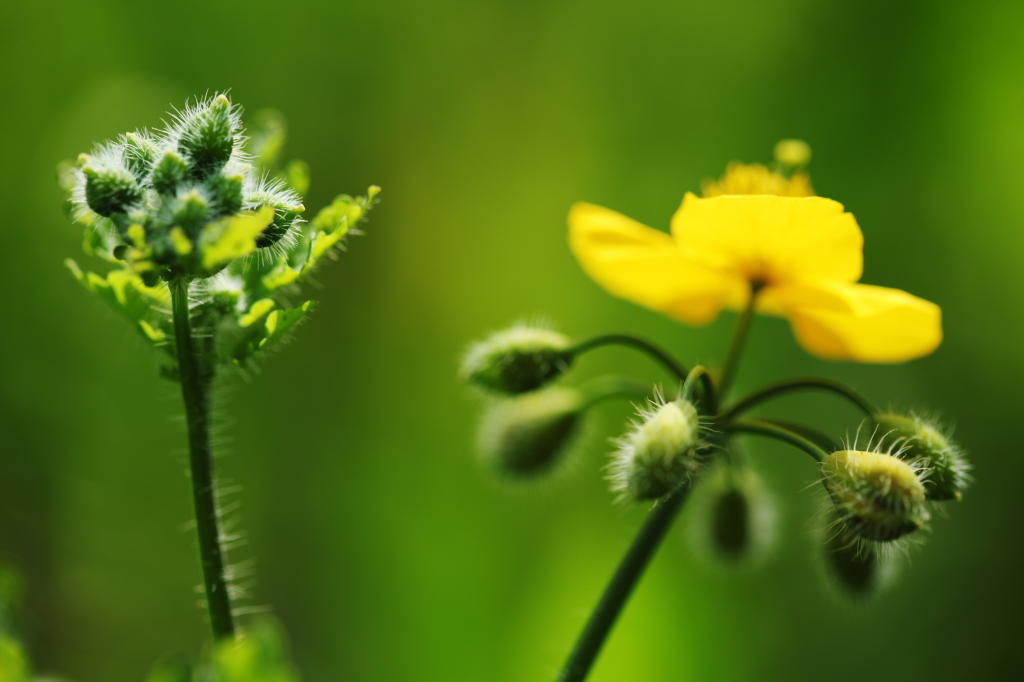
x=857 y=566
x=878 y=495
x=522 y=358
x=169 y=172
x=524 y=435
x=659 y=453
x=207 y=136
x=923 y=441
x=110 y=190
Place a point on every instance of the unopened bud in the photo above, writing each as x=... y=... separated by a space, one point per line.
x=659 y=453
x=169 y=172
x=524 y=435
x=110 y=190
x=878 y=495
x=225 y=193
x=208 y=136
x=856 y=565
x=139 y=153
x=517 y=360
x=923 y=441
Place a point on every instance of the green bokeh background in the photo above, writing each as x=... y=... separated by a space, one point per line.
x=379 y=540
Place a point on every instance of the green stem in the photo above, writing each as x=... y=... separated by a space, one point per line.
x=770 y=430
x=803 y=383
x=609 y=387
x=661 y=356
x=195 y=391
x=708 y=396
x=622 y=583
x=739 y=337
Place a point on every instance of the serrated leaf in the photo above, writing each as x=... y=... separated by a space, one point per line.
x=225 y=240
x=125 y=292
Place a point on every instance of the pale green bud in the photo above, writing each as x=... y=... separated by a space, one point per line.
x=923 y=441
x=876 y=494
x=659 y=453
x=522 y=358
x=524 y=435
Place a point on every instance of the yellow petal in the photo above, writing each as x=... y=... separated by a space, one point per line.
x=861 y=322
x=772 y=239
x=645 y=266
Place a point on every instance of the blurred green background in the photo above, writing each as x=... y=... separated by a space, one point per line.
x=380 y=541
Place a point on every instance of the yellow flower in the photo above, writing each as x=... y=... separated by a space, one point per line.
x=753 y=178
x=802 y=254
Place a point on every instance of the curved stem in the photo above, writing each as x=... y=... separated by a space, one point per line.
x=739 y=337
x=622 y=583
x=608 y=387
x=195 y=391
x=701 y=374
x=770 y=430
x=782 y=387
x=661 y=356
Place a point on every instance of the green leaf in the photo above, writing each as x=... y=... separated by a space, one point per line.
x=257 y=329
x=225 y=240
x=258 y=655
x=126 y=293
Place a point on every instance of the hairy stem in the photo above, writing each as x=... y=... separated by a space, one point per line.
x=788 y=386
x=661 y=356
x=195 y=392
x=622 y=583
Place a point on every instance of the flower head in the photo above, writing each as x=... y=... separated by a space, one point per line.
x=802 y=254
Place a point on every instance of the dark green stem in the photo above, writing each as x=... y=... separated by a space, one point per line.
x=770 y=430
x=618 y=590
x=637 y=343
x=813 y=383
x=195 y=391
x=739 y=337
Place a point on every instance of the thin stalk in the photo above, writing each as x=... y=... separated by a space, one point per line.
x=195 y=392
x=739 y=337
x=779 y=433
x=661 y=356
x=632 y=566
x=813 y=383
x=609 y=387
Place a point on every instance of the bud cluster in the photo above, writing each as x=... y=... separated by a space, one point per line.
x=161 y=201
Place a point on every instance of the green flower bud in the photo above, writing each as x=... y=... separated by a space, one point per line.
x=139 y=153
x=923 y=441
x=731 y=514
x=524 y=435
x=110 y=190
x=286 y=204
x=659 y=453
x=191 y=211
x=878 y=495
x=517 y=360
x=207 y=135
x=169 y=172
x=857 y=566
x=225 y=193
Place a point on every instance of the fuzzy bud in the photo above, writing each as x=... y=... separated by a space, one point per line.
x=525 y=434
x=659 y=453
x=923 y=441
x=110 y=190
x=208 y=136
x=139 y=153
x=855 y=565
x=169 y=172
x=878 y=495
x=517 y=360
x=225 y=193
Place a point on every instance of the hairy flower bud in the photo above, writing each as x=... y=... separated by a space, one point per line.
x=207 y=135
x=923 y=441
x=110 y=190
x=659 y=453
x=517 y=360
x=878 y=495
x=169 y=172
x=525 y=434
x=139 y=153
x=857 y=567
